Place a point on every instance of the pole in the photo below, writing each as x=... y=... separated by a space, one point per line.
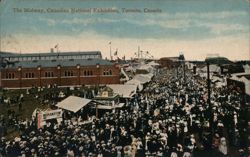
x=110 y=51
x=184 y=71
x=79 y=80
x=96 y=111
x=209 y=99
x=40 y=82
x=208 y=85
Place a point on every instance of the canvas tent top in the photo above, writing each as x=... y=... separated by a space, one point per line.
x=135 y=82
x=124 y=90
x=152 y=63
x=143 y=78
x=145 y=67
x=73 y=103
x=106 y=107
x=212 y=68
x=243 y=79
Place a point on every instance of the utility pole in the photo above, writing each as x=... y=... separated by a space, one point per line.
x=211 y=119
x=184 y=71
x=208 y=85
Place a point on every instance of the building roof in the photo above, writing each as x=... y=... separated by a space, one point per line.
x=218 y=60
x=9 y=54
x=63 y=63
x=73 y=103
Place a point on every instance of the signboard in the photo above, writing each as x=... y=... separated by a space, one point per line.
x=53 y=114
x=42 y=116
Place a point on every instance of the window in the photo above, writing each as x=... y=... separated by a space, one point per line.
x=49 y=74
x=88 y=73
x=68 y=73
x=107 y=72
x=10 y=76
x=29 y=75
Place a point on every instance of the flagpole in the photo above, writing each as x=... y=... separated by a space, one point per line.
x=110 y=50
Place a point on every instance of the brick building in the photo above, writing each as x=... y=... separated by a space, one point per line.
x=64 y=69
x=171 y=62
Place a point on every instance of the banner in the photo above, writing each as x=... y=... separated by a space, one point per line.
x=52 y=114
x=42 y=116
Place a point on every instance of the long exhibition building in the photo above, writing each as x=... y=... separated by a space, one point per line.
x=62 y=69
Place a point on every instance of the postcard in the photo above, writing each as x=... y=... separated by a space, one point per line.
x=124 y=78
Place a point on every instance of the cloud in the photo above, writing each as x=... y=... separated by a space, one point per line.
x=164 y=25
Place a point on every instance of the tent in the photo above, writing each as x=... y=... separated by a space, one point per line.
x=242 y=77
x=73 y=103
x=124 y=90
x=152 y=63
x=143 y=78
x=135 y=82
x=212 y=68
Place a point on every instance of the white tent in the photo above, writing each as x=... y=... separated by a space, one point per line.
x=153 y=63
x=130 y=68
x=123 y=72
x=212 y=68
x=143 y=78
x=242 y=79
x=73 y=103
x=246 y=68
x=124 y=90
x=135 y=82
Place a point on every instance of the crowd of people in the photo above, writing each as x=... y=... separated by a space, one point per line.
x=171 y=117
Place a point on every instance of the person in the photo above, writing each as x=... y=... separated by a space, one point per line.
x=223 y=146
x=216 y=141
x=186 y=154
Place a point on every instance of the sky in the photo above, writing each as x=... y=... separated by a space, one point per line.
x=195 y=28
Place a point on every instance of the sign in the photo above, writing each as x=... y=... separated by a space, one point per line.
x=42 y=116
x=53 y=114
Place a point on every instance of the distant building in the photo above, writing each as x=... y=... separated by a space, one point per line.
x=63 y=69
x=171 y=62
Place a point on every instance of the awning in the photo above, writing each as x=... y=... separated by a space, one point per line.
x=106 y=107
x=124 y=90
x=73 y=103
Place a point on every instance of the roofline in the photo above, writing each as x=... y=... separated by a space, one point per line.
x=10 y=54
